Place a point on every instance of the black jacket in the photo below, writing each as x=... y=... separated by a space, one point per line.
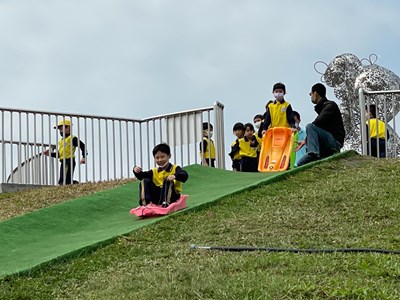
x=180 y=174
x=330 y=119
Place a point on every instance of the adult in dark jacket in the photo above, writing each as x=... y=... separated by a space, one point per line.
x=325 y=136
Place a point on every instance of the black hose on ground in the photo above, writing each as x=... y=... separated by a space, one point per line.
x=345 y=250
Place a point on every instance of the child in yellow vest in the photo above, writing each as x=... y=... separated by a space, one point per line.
x=377 y=133
x=279 y=113
x=238 y=131
x=161 y=185
x=66 y=152
x=248 y=146
x=207 y=148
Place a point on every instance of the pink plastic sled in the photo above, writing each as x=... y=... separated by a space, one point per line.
x=152 y=210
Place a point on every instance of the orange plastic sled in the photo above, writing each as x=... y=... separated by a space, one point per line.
x=276 y=148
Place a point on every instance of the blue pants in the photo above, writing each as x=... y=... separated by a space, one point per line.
x=320 y=143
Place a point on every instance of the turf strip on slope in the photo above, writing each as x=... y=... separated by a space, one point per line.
x=69 y=228
x=86 y=223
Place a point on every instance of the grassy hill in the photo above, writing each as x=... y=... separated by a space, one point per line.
x=353 y=202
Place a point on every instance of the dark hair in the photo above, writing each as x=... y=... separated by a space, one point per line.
x=238 y=126
x=205 y=126
x=372 y=110
x=249 y=125
x=279 y=85
x=320 y=89
x=258 y=117
x=296 y=114
x=163 y=147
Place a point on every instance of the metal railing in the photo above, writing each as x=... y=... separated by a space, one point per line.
x=113 y=145
x=387 y=107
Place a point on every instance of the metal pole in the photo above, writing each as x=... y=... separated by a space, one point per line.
x=121 y=161
x=127 y=148
x=107 y=152
x=363 y=129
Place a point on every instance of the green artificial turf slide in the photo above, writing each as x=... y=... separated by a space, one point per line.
x=86 y=223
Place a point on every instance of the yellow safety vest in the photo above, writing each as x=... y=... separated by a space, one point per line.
x=210 y=151
x=381 y=129
x=159 y=176
x=246 y=149
x=237 y=155
x=64 y=148
x=277 y=112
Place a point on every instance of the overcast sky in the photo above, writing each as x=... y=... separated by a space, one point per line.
x=116 y=57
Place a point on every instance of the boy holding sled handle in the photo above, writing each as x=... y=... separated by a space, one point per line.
x=163 y=184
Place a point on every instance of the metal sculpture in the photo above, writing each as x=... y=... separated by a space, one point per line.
x=346 y=73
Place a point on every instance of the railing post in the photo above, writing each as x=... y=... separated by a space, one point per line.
x=220 y=137
x=363 y=129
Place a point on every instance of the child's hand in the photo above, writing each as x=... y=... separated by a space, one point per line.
x=137 y=169
x=299 y=146
x=171 y=178
x=83 y=160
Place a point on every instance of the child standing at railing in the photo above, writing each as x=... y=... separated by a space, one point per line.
x=376 y=132
x=207 y=148
x=66 y=152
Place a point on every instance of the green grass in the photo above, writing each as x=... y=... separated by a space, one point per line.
x=353 y=202
x=19 y=203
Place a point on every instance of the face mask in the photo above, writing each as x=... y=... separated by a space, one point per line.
x=257 y=124
x=297 y=125
x=163 y=166
x=206 y=133
x=279 y=96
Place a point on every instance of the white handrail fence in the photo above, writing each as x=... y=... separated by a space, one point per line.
x=113 y=145
x=387 y=106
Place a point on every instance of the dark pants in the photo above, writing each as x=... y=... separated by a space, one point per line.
x=67 y=168
x=249 y=164
x=211 y=162
x=374 y=148
x=236 y=165
x=150 y=193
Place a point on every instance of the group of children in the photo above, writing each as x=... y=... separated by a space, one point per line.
x=246 y=148
x=162 y=185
